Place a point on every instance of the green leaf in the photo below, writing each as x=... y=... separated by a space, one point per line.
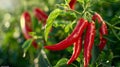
x=53 y=15
x=67 y=28
x=61 y=62
x=34 y=23
x=72 y=24
x=26 y=45
x=67 y=1
x=81 y=1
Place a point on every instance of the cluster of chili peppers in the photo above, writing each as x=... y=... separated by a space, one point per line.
x=75 y=37
x=26 y=23
x=103 y=30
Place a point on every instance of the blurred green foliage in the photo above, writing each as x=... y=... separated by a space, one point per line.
x=11 y=37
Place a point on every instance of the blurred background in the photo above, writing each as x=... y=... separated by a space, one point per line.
x=11 y=37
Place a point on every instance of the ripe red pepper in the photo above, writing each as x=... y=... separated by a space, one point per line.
x=34 y=44
x=88 y=42
x=74 y=36
x=103 y=30
x=25 y=22
x=40 y=15
x=97 y=17
x=76 y=51
x=72 y=4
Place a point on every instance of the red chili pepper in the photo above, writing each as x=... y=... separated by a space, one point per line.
x=74 y=36
x=103 y=30
x=76 y=50
x=72 y=4
x=40 y=15
x=88 y=42
x=25 y=22
x=34 y=44
x=97 y=17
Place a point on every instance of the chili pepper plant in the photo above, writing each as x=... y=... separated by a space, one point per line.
x=86 y=32
x=68 y=33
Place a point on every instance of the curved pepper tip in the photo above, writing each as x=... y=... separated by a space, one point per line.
x=48 y=47
x=69 y=62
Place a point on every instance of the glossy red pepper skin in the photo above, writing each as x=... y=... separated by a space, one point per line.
x=25 y=22
x=40 y=15
x=97 y=17
x=88 y=42
x=74 y=36
x=72 y=4
x=103 y=30
x=76 y=51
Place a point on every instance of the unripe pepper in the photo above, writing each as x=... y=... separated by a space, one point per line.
x=74 y=36
x=88 y=42
x=72 y=4
x=40 y=15
x=25 y=22
x=76 y=50
x=103 y=30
